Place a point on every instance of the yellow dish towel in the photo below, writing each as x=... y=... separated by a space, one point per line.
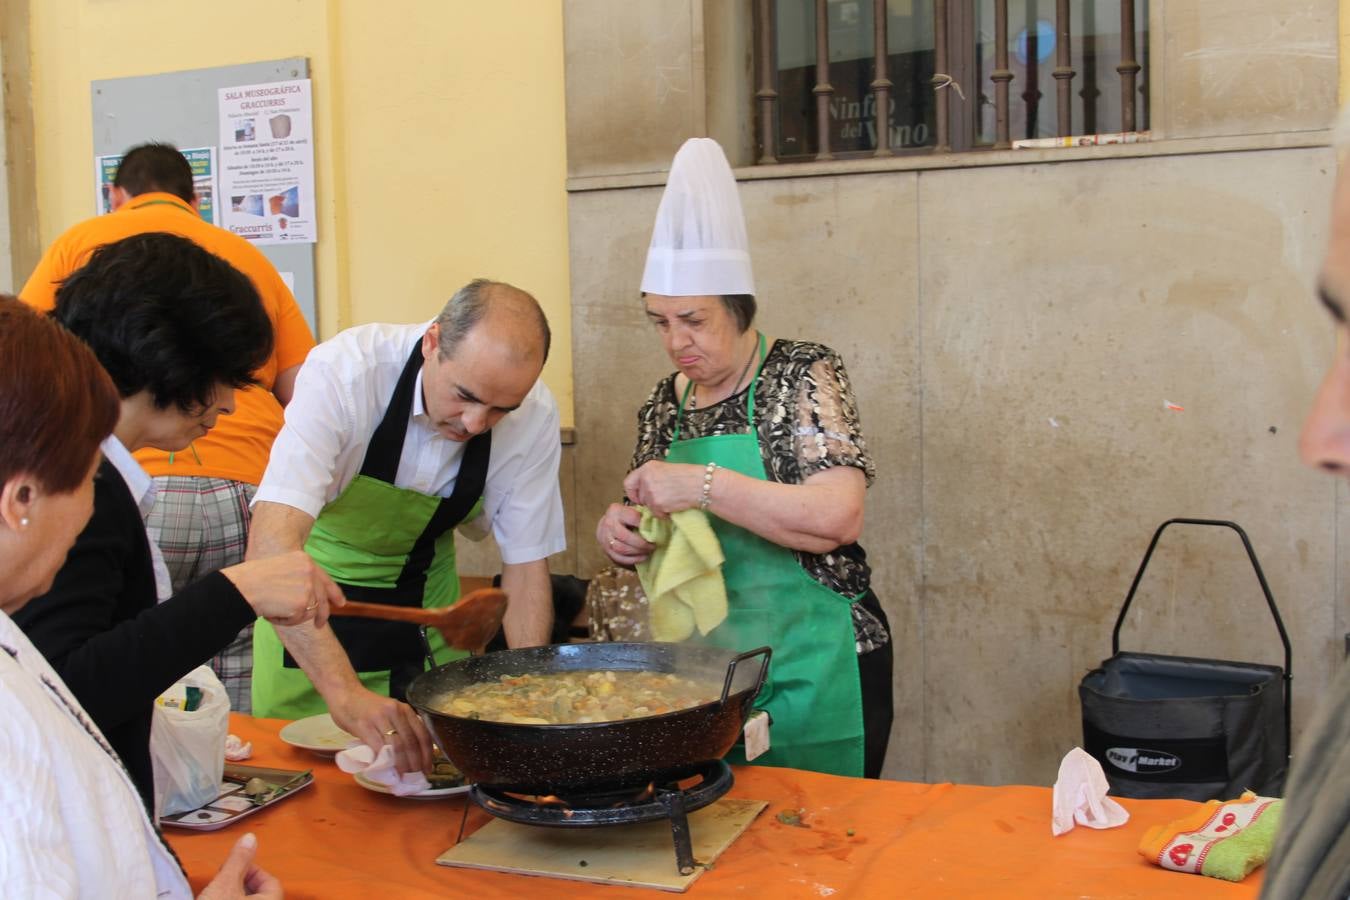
x=683 y=576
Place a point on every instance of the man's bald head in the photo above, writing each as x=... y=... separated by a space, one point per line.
x=513 y=316
x=482 y=358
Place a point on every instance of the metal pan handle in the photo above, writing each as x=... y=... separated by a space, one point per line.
x=736 y=661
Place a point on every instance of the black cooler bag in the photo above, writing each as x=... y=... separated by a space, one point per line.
x=1177 y=726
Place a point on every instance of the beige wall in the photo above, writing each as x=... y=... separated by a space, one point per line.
x=19 y=246
x=439 y=136
x=1048 y=455
x=1344 y=42
x=1245 y=66
x=1014 y=330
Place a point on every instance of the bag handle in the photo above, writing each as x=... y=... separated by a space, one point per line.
x=1265 y=589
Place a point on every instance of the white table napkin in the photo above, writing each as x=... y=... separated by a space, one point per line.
x=236 y=748
x=1080 y=796
x=379 y=768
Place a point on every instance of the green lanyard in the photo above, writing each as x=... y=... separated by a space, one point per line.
x=193 y=448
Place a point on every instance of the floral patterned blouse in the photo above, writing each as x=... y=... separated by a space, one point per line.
x=808 y=422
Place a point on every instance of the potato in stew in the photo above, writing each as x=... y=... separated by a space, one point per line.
x=565 y=698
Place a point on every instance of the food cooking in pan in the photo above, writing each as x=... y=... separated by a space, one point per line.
x=566 y=698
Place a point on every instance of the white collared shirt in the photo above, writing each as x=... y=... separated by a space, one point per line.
x=142 y=488
x=73 y=824
x=341 y=395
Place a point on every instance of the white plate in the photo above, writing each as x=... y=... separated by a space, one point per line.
x=317 y=733
x=431 y=794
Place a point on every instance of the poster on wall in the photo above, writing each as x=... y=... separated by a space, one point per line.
x=267 y=162
x=202 y=160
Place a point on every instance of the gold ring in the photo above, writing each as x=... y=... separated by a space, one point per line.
x=314 y=605
x=391 y=732
x=612 y=542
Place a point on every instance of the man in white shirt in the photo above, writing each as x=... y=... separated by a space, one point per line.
x=395 y=435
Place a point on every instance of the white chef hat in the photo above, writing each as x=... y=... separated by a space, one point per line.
x=698 y=244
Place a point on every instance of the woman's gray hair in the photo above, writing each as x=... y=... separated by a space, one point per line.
x=741 y=306
x=742 y=309
x=468 y=307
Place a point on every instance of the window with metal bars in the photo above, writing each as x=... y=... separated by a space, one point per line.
x=863 y=78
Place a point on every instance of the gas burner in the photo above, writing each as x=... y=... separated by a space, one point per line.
x=671 y=795
x=610 y=805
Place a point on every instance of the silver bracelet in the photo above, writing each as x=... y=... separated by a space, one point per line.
x=706 y=500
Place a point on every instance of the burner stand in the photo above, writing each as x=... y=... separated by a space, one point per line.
x=597 y=809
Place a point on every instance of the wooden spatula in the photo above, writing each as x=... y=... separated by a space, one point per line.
x=468 y=625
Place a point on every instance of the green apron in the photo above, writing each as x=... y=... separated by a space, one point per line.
x=381 y=544
x=813 y=692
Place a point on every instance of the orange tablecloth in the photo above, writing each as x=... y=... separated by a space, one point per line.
x=336 y=839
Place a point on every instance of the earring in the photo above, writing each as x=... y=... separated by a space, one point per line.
x=23 y=523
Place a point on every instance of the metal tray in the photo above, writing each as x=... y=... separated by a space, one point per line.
x=231 y=804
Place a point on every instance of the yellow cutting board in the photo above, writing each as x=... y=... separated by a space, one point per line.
x=641 y=855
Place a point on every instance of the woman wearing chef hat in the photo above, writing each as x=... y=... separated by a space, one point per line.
x=764 y=436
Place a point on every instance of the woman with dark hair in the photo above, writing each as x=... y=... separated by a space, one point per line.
x=177 y=329
x=765 y=437
x=73 y=822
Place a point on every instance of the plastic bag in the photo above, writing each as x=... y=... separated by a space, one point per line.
x=188 y=747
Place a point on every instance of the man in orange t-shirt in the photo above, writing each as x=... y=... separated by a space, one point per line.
x=200 y=515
